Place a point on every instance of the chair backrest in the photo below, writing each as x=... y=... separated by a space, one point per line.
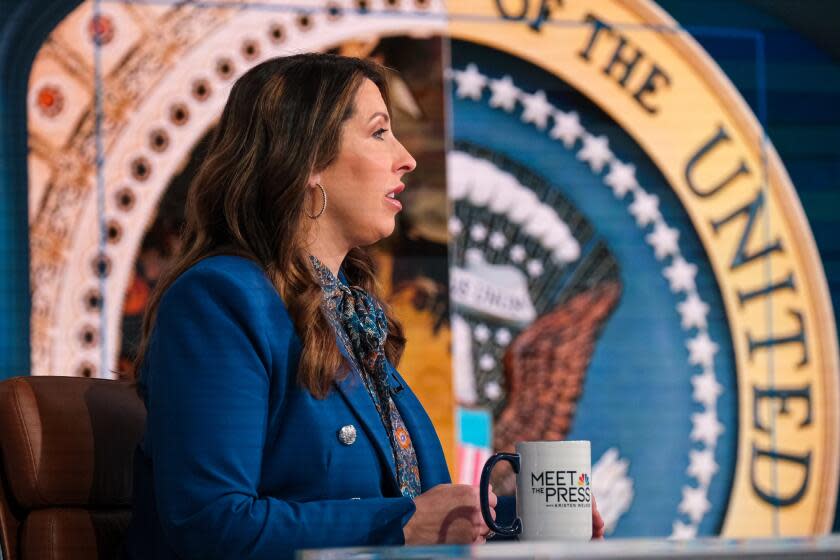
x=66 y=452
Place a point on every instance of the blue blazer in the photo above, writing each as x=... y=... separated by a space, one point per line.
x=239 y=461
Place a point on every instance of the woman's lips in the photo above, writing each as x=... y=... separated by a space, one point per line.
x=392 y=199
x=396 y=203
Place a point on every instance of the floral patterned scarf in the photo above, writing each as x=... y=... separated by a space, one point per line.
x=363 y=328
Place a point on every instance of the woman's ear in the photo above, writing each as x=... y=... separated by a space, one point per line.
x=314 y=179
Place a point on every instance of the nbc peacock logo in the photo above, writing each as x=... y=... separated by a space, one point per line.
x=583 y=479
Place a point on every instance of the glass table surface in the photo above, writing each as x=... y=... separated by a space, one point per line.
x=823 y=547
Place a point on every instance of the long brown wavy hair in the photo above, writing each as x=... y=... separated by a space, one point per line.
x=282 y=122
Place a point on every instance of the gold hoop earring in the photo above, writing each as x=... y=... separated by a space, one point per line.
x=323 y=207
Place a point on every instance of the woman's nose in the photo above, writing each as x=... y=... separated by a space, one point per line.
x=405 y=162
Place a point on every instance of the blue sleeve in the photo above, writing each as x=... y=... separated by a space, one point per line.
x=208 y=368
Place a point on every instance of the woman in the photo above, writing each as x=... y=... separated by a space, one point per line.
x=276 y=419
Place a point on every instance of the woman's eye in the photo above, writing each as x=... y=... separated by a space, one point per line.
x=378 y=134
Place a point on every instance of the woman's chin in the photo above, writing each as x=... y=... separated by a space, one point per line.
x=389 y=229
x=383 y=230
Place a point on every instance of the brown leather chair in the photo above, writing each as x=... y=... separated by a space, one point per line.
x=66 y=450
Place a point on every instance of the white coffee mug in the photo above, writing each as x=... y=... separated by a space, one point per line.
x=553 y=491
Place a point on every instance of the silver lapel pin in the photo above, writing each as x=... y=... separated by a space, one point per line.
x=347 y=434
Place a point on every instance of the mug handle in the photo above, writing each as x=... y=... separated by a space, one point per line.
x=483 y=493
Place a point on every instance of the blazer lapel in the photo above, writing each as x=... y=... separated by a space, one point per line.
x=430 y=458
x=352 y=387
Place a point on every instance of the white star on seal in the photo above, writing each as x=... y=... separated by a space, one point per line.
x=536 y=109
x=702 y=465
x=621 y=178
x=497 y=240
x=694 y=503
x=504 y=93
x=645 y=208
x=664 y=240
x=473 y=256
x=482 y=333
x=535 y=268
x=682 y=531
x=595 y=151
x=486 y=362
x=706 y=388
x=503 y=337
x=492 y=391
x=693 y=312
x=681 y=275
x=705 y=427
x=455 y=226
x=517 y=253
x=478 y=232
x=566 y=127
x=701 y=350
x=470 y=82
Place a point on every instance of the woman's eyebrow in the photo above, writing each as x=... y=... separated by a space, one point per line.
x=380 y=114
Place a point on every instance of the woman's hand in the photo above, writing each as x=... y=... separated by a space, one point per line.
x=597 y=522
x=448 y=514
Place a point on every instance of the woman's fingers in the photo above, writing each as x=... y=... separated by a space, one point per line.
x=492 y=498
x=478 y=519
x=597 y=521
